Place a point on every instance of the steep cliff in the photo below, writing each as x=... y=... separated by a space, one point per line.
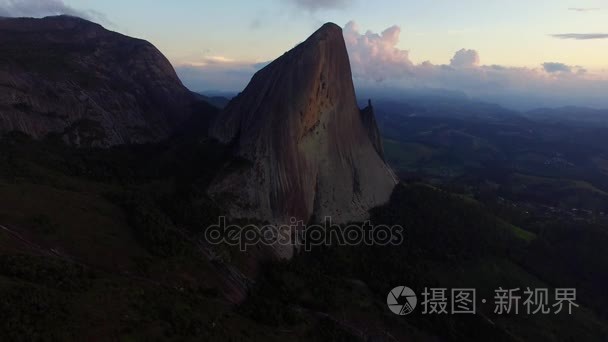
x=368 y=117
x=298 y=124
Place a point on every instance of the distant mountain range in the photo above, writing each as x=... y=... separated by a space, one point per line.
x=571 y=115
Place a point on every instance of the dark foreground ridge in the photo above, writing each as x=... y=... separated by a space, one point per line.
x=93 y=87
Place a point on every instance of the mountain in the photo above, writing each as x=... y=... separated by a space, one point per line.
x=577 y=116
x=298 y=124
x=110 y=243
x=68 y=76
x=431 y=106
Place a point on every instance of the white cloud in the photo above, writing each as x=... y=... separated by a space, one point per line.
x=43 y=8
x=584 y=9
x=375 y=56
x=378 y=62
x=552 y=67
x=581 y=36
x=315 y=5
x=465 y=58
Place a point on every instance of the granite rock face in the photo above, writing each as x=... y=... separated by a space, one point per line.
x=310 y=153
x=93 y=87
x=368 y=117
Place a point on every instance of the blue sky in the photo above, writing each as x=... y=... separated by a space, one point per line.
x=513 y=33
x=545 y=49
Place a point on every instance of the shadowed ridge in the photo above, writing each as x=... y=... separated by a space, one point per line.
x=70 y=77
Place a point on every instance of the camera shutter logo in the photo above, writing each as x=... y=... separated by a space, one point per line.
x=401 y=300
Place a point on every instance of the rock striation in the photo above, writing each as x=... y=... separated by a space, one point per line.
x=368 y=118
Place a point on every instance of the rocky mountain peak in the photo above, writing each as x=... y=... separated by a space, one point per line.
x=298 y=123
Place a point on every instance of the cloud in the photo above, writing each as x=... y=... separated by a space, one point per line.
x=43 y=8
x=465 y=58
x=315 y=5
x=580 y=36
x=378 y=63
x=552 y=67
x=584 y=9
x=375 y=56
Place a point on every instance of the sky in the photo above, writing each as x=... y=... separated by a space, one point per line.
x=546 y=51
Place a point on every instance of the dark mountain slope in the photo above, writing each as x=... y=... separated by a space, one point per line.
x=72 y=77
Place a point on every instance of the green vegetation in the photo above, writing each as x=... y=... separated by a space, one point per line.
x=107 y=243
x=450 y=243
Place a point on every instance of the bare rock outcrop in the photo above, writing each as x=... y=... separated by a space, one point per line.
x=368 y=117
x=310 y=153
